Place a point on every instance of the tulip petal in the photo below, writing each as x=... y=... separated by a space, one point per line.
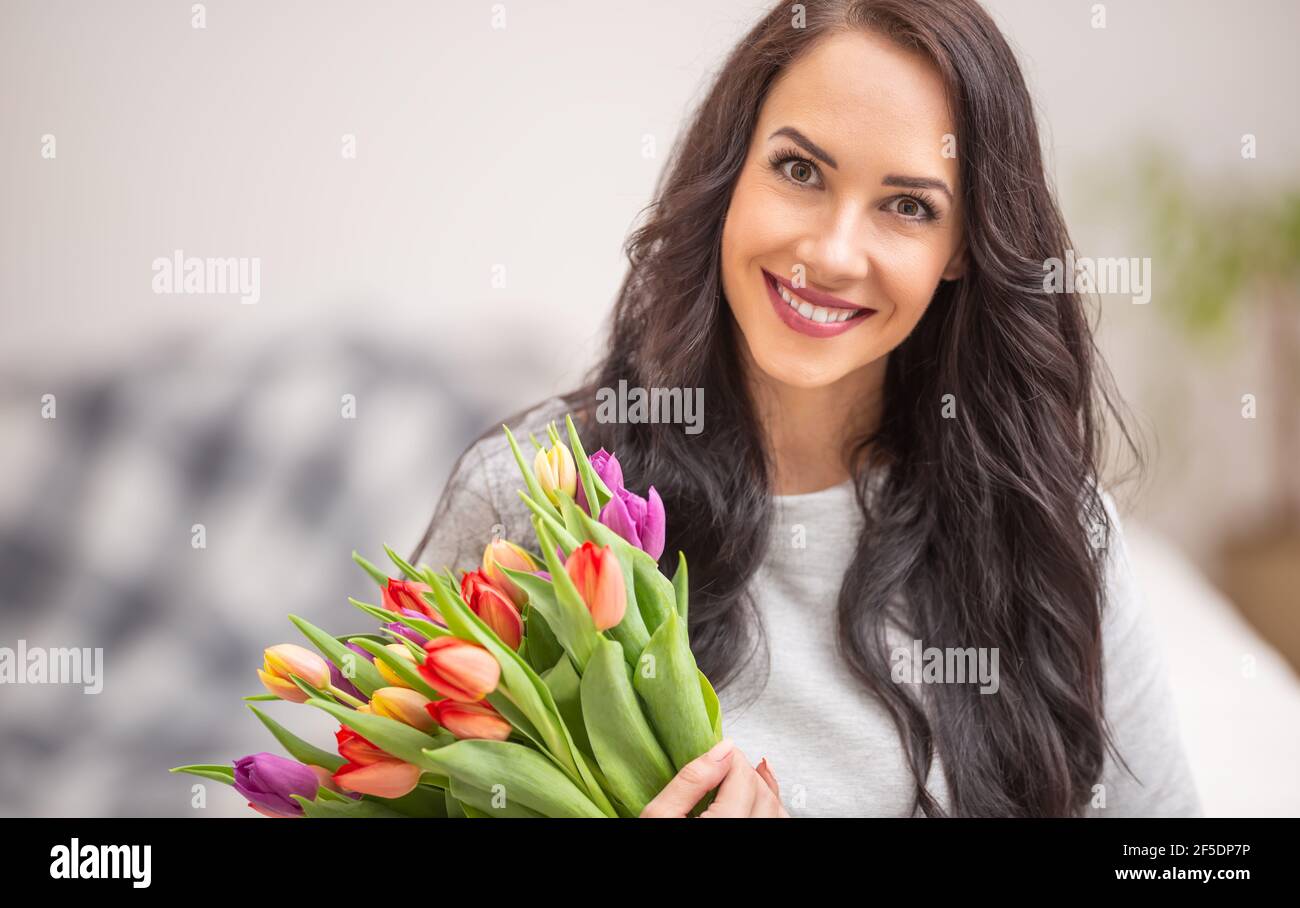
x=654 y=526
x=385 y=779
x=615 y=516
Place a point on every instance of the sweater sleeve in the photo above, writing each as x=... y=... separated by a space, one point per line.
x=466 y=517
x=1139 y=705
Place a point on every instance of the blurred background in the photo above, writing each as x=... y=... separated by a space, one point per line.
x=437 y=195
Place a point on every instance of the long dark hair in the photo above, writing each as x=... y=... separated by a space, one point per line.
x=984 y=530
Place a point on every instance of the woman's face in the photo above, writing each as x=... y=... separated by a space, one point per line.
x=849 y=198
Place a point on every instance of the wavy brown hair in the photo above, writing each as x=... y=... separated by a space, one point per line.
x=981 y=533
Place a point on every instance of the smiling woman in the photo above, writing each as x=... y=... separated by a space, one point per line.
x=902 y=439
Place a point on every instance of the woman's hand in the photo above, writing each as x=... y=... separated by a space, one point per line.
x=744 y=792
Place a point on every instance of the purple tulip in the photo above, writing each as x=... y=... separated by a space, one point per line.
x=267 y=781
x=637 y=520
x=345 y=684
x=606 y=466
x=640 y=521
x=409 y=633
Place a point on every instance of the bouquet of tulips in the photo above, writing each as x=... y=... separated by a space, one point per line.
x=559 y=683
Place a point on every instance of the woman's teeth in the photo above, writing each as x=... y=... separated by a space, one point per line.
x=814 y=313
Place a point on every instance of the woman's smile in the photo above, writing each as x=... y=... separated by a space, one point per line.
x=801 y=315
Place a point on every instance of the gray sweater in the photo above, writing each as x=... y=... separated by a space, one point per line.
x=831 y=745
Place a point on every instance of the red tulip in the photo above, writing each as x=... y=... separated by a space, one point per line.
x=599 y=579
x=405 y=594
x=459 y=669
x=470 y=720
x=493 y=606
x=370 y=770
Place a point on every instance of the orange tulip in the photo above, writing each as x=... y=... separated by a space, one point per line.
x=469 y=720
x=500 y=553
x=404 y=705
x=459 y=669
x=372 y=771
x=285 y=659
x=406 y=594
x=487 y=600
x=599 y=579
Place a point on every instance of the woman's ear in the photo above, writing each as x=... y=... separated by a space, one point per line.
x=956 y=267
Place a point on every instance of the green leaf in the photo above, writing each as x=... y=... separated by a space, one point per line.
x=400 y=667
x=668 y=681
x=563 y=681
x=586 y=475
x=348 y=809
x=455 y=810
x=215 y=771
x=528 y=777
x=711 y=706
x=481 y=801
x=257 y=698
x=553 y=523
x=543 y=648
x=420 y=625
x=681 y=587
x=635 y=766
x=366 y=677
x=421 y=801
x=411 y=572
x=375 y=573
x=530 y=480
x=296 y=747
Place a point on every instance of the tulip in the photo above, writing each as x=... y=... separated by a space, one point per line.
x=401 y=651
x=500 y=553
x=470 y=720
x=556 y=472
x=400 y=595
x=267 y=781
x=409 y=633
x=459 y=669
x=599 y=579
x=404 y=705
x=641 y=521
x=493 y=606
x=606 y=466
x=341 y=682
x=372 y=771
x=638 y=520
x=285 y=659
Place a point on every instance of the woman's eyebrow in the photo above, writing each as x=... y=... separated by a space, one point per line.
x=808 y=145
x=903 y=182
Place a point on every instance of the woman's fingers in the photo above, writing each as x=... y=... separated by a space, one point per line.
x=692 y=782
x=766 y=772
x=736 y=795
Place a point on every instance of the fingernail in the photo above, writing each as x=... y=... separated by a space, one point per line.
x=720 y=750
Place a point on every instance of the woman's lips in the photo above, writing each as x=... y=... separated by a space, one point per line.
x=807 y=326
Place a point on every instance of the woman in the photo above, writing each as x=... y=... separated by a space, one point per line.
x=900 y=444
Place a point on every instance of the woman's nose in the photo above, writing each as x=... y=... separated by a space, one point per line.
x=836 y=250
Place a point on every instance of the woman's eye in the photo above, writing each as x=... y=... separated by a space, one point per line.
x=911 y=208
x=800 y=171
